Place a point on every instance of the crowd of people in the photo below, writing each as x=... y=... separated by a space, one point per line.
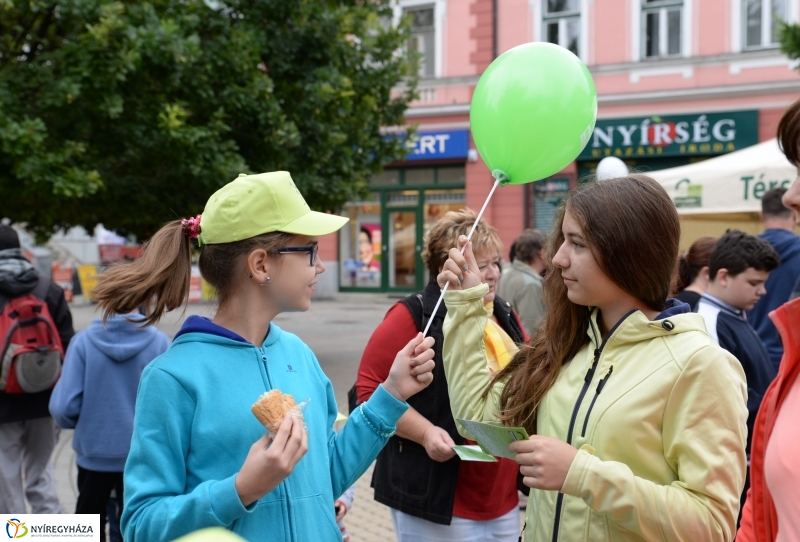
x=667 y=452
x=659 y=388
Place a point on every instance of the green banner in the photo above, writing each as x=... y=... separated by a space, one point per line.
x=672 y=135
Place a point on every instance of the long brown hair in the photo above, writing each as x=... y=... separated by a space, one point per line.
x=159 y=280
x=632 y=229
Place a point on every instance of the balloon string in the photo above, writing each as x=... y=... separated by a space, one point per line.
x=471 y=231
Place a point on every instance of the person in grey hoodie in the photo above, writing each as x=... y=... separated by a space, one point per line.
x=521 y=285
x=96 y=396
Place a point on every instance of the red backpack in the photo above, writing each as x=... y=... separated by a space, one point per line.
x=31 y=351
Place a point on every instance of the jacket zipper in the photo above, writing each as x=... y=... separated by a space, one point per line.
x=263 y=356
x=586 y=381
x=596 y=395
x=292 y=534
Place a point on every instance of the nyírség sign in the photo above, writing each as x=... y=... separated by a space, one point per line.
x=679 y=135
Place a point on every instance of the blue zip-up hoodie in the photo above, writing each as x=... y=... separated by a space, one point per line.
x=193 y=430
x=779 y=289
x=97 y=390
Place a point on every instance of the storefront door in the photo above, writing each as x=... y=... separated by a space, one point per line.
x=380 y=248
x=403 y=248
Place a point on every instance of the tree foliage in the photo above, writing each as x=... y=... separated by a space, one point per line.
x=789 y=39
x=131 y=113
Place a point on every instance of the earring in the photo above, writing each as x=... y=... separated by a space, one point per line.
x=269 y=280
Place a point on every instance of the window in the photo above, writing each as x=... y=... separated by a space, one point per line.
x=761 y=19
x=661 y=24
x=419 y=176
x=423 y=38
x=562 y=23
x=547 y=197
x=360 y=245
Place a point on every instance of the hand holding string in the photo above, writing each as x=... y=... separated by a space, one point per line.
x=499 y=177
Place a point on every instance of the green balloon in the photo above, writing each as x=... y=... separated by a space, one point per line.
x=533 y=111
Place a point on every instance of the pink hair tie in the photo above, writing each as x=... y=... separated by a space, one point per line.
x=191 y=227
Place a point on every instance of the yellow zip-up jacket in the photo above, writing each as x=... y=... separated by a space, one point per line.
x=661 y=443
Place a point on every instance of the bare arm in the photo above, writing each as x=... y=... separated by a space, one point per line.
x=415 y=427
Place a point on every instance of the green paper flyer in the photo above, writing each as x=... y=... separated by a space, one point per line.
x=473 y=452
x=494 y=439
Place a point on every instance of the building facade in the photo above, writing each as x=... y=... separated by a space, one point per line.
x=677 y=80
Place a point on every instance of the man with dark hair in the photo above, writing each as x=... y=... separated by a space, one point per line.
x=738 y=269
x=27 y=432
x=521 y=285
x=779 y=223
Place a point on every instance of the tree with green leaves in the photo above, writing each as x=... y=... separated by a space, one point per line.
x=131 y=113
x=789 y=39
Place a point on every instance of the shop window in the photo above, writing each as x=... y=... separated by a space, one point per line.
x=419 y=176
x=388 y=177
x=406 y=198
x=562 y=23
x=547 y=197
x=437 y=203
x=761 y=20
x=451 y=175
x=423 y=38
x=403 y=249
x=661 y=28
x=360 y=245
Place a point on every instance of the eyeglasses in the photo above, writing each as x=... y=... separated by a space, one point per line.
x=312 y=252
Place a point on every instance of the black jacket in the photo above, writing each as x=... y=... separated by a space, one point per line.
x=20 y=407
x=405 y=478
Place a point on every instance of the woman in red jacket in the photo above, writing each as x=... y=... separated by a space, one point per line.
x=770 y=511
x=433 y=496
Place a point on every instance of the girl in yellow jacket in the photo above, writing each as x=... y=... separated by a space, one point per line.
x=638 y=416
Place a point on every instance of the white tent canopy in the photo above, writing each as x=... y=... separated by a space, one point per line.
x=731 y=183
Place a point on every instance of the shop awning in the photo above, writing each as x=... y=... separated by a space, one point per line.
x=731 y=183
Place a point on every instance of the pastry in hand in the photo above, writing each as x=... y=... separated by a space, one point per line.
x=272 y=407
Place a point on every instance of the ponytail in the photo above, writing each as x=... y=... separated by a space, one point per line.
x=685 y=274
x=158 y=281
x=692 y=261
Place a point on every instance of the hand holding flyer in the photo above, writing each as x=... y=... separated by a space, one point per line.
x=494 y=439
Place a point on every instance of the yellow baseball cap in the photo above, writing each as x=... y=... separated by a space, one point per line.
x=256 y=204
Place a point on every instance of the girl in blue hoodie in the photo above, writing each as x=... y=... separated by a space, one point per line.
x=199 y=458
x=96 y=396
